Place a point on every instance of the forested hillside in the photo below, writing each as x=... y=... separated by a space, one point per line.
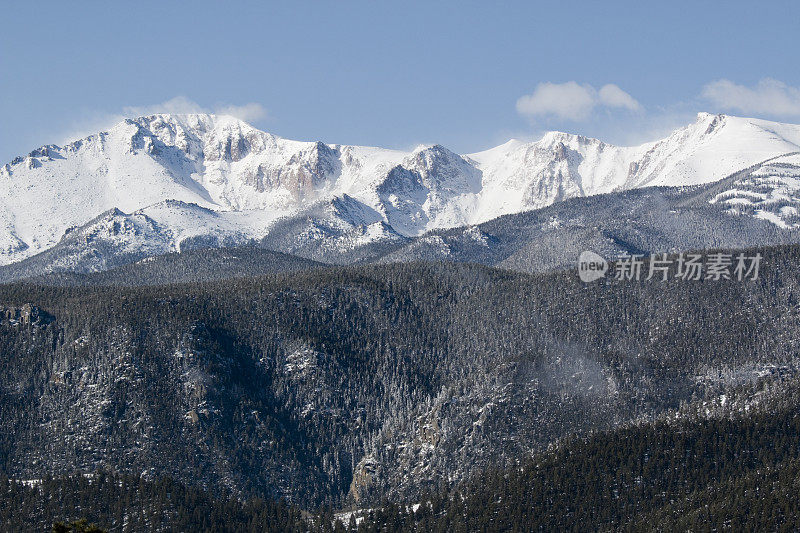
x=733 y=472
x=737 y=474
x=348 y=385
x=130 y=503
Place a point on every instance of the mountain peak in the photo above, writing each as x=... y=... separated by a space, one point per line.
x=221 y=163
x=552 y=138
x=197 y=122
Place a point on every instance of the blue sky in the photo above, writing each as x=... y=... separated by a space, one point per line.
x=467 y=75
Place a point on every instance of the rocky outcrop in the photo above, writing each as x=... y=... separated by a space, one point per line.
x=25 y=314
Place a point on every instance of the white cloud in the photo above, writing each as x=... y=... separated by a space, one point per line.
x=573 y=101
x=248 y=112
x=563 y=100
x=769 y=97
x=181 y=105
x=612 y=96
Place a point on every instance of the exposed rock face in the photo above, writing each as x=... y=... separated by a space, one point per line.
x=715 y=123
x=633 y=168
x=362 y=480
x=25 y=314
x=560 y=152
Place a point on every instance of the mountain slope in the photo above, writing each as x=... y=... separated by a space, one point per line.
x=251 y=178
x=351 y=384
x=520 y=176
x=218 y=163
x=641 y=221
x=755 y=206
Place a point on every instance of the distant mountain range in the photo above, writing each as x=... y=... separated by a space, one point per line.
x=167 y=183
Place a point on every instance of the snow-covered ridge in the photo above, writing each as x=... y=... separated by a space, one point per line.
x=243 y=179
x=771 y=192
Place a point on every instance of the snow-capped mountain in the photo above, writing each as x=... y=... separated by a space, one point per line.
x=189 y=180
x=520 y=176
